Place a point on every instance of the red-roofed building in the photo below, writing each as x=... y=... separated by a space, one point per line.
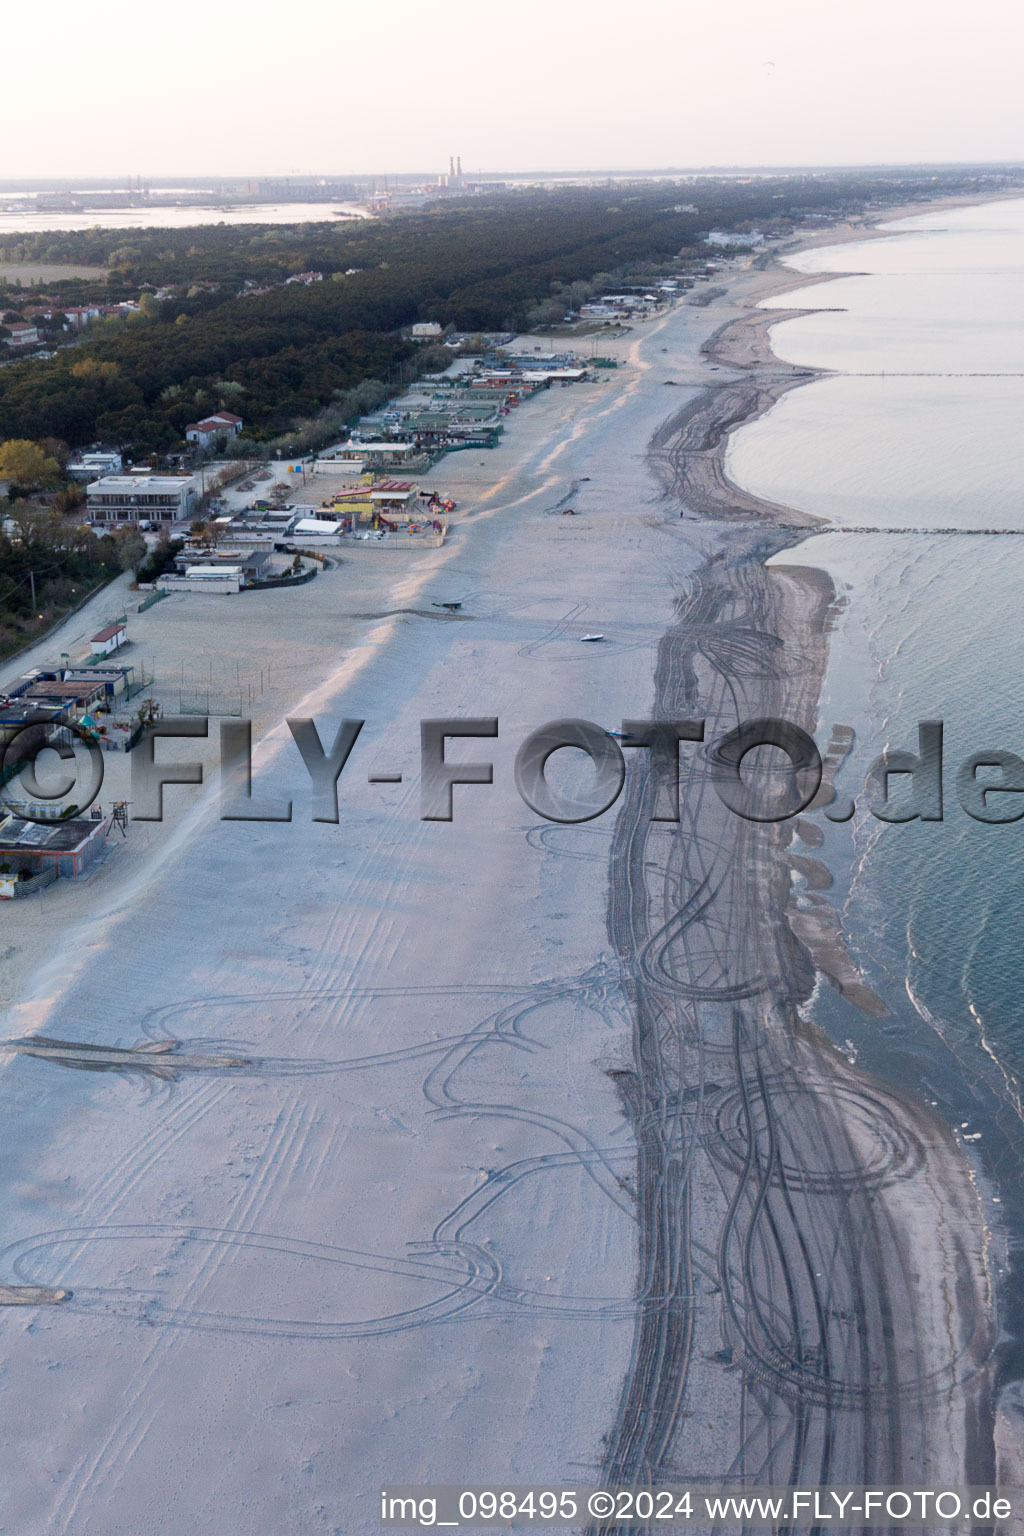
x=212 y=429
x=111 y=638
x=79 y=315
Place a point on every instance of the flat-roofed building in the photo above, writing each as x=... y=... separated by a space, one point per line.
x=115 y=678
x=318 y=530
x=132 y=498
x=225 y=580
x=30 y=720
x=93 y=466
x=376 y=455
x=394 y=496
x=261 y=529
x=251 y=562
x=73 y=695
x=69 y=847
x=22 y=335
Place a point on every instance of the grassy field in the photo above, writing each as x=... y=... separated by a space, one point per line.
x=45 y=272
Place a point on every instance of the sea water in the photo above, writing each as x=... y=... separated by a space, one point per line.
x=918 y=428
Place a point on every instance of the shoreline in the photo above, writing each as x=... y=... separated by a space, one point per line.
x=991 y=1442
x=829 y=1171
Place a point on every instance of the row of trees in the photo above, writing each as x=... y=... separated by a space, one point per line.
x=286 y=356
x=47 y=565
x=227 y=255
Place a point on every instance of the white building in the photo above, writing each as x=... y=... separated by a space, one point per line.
x=218 y=580
x=131 y=498
x=22 y=335
x=376 y=447
x=735 y=242
x=603 y=311
x=427 y=330
x=93 y=466
x=110 y=639
x=316 y=530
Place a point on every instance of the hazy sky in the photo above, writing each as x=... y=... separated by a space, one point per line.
x=318 y=85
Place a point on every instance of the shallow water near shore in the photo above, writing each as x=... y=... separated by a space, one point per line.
x=918 y=428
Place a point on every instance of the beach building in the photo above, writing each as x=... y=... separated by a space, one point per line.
x=349 y=505
x=390 y=499
x=604 y=312
x=393 y=496
x=339 y=466
x=17 y=714
x=32 y=848
x=313 y=531
x=216 y=580
x=258 y=527
x=555 y=376
x=117 y=679
x=130 y=498
x=508 y=379
x=539 y=359
x=481 y=411
x=110 y=639
x=437 y=429
x=71 y=697
x=373 y=455
x=252 y=563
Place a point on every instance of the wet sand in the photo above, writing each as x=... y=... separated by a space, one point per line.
x=857 y=1327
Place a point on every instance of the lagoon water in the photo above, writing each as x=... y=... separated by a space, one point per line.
x=919 y=427
x=28 y=220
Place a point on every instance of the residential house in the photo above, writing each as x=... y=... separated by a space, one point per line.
x=22 y=334
x=213 y=429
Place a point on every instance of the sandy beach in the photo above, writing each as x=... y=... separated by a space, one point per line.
x=491 y=1149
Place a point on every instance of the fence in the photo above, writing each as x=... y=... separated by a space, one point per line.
x=395 y=543
x=285 y=581
x=222 y=586
x=13 y=889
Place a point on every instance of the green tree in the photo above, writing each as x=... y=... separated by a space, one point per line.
x=131 y=548
x=95 y=372
x=24 y=463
